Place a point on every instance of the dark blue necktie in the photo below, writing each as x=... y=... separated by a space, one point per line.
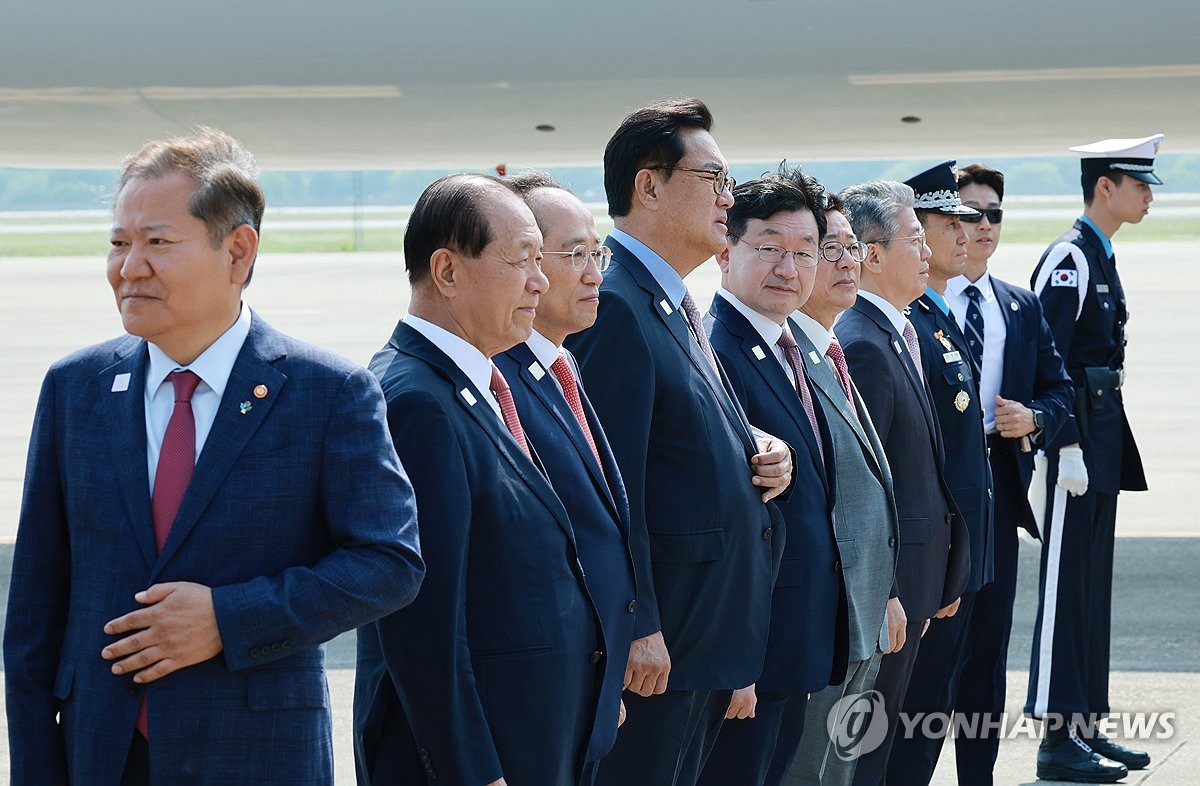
x=975 y=327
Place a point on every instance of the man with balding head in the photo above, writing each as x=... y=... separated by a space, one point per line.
x=564 y=430
x=490 y=676
x=881 y=345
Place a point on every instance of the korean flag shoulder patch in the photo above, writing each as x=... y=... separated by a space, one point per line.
x=1064 y=278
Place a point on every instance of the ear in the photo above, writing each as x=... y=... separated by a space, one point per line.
x=1105 y=186
x=723 y=256
x=242 y=245
x=873 y=263
x=645 y=189
x=444 y=269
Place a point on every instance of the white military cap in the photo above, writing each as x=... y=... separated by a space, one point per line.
x=1133 y=157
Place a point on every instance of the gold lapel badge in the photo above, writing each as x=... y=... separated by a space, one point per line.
x=260 y=391
x=962 y=401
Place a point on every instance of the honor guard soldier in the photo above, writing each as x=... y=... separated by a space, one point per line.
x=1090 y=462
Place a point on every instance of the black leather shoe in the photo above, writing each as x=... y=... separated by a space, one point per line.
x=1134 y=760
x=1065 y=757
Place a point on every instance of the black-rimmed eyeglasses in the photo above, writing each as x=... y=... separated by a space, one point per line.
x=833 y=251
x=720 y=180
x=581 y=255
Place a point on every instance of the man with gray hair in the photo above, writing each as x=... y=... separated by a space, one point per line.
x=880 y=345
x=206 y=501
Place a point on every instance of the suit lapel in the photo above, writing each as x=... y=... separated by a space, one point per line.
x=907 y=361
x=547 y=393
x=125 y=418
x=676 y=324
x=471 y=399
x=761 y=356
x=231 y=430
x=824 y=379
x=1013 y=327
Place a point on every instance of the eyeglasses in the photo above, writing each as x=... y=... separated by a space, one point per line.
x=720 y=180
x=833 y=251
x=919 y=238
x=775 y=254
x=581 y=255
x=994 y=215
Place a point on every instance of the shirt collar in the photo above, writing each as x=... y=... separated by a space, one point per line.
x=1104 y=239
x=938 y=300
x=543 y=349
x=664 y=275
x=213 y=366
x=764 y=326
x=957 y=286
x=465 y=355
x=892 y=313
x=816 y=332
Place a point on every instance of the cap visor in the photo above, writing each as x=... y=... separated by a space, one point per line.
x=1145 y=177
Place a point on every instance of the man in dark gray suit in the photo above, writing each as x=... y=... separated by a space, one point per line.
x=864 y=514
x=881 y=346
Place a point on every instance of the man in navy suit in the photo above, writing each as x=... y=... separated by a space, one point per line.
x=206 y=502
x=767 y=272
x=881 y=346
x=1026 y=397
x=954 y=395
x=492 y=674
x=562 y=427
x=703 y=540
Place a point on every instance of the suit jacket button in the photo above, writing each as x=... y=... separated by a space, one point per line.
x=276 y=646
x=892 y=542
x=767 y=533
x=950 y=519
x=632 y=607
x=837 y=567
x=597 y=656
x=255 y=652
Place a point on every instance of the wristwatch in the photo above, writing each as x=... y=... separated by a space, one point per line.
x=1039 y=419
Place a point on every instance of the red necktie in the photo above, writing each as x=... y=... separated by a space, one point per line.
x=508 y=409
x=838 y=358
x=566 y=378
x=176 y=460
x=791 y=353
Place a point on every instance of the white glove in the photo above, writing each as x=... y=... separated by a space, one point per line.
x=1072 y=472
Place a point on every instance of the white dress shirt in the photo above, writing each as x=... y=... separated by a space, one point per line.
x=213 y=367
x=476 y=365
x=994 y=335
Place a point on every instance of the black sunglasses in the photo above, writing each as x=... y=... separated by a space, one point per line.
x=994 y=215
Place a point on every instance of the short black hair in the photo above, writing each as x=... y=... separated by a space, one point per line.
x=449 y=214
x=648 y=138
x=1090 y=177
x=984 y=175
x=786 y=189
x=532 y=180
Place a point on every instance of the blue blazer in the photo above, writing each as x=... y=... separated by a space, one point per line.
x=1033 y=374
x=299 y=517
x=808 y=644
x=954 y=392
x=495 y=668
x=599 y=510
x=935 y=555
x=705 y=547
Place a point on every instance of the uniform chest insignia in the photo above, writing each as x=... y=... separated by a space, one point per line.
x=962 y=401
